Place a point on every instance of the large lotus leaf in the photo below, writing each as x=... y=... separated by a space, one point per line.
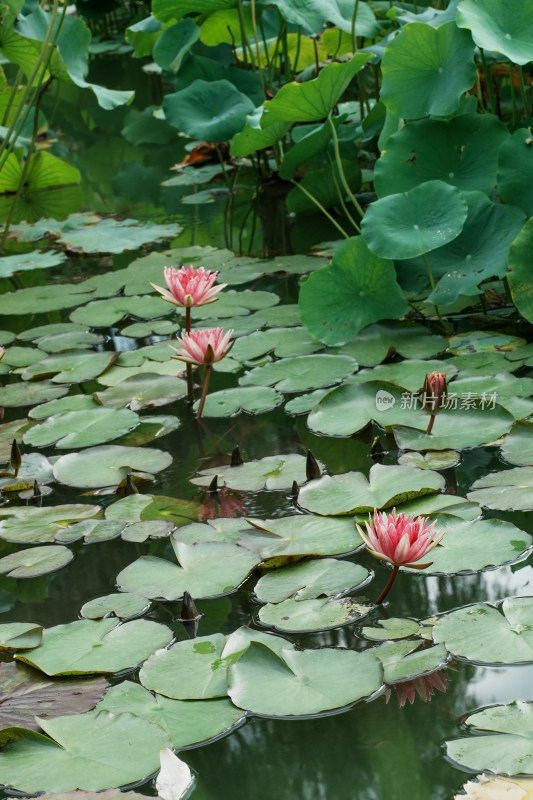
x=108 y=465
x=340 y=13
x=211 y=111
x=293 y=616
x=252 y=137
x=207 y=569
x=29 y=524
x=103 y=313
x=82 y=428
x=403 y=660
x=465 y=426
x=355 y=290
x=351 y=492
x=480 y=633
x=517 y=447
x=73 y=366
x=508 y=748
x=301 y=682
x=87 y=646
x=235 y=303
x=49 y=297
x=144 y=391
x=24 y=691
x=314 y=139
x=510 y=490
x=189 y=670
x=351 y=407
x=35 y=561
x=479 y=252
x=470 y=546
x=392 y=628
x=282 y=342
x=271 y=472
x=115 y=236
x=410 y=339
x=310 y=579
x=186 y=722
x=9 y=265
x=70 y=340
x=462 y=151
x=426 y=70
x=408 y=374
x=253 y=399
x=508 y=30
x=301 y=373
x=91 y=751
x=29 y=394
x=313 y=100
x=519 y=274
x=301 y=535
x=406 y=225
x=121 y=604
x=514 y=185
x=173 y=44
x=19 y=636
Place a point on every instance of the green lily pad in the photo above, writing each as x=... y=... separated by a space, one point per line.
x=20 y=635
x=159 y=327
x=87 y=646
x=301 y=373
x=228 y=402
x=351 y=492
x=426 y=70
x=429 y=505
x=409 y=339
x=409 y=374
x=483 y=342
x=23 y=691
x=462 y=151
x=50 y=329
x=72 y=402
x=301 y=682
x=282 y=342
x=186 y=722
x=338 y=301
x=510 y=490
x=311 y=579
x=500 y=29
x=518 y=276
x=480 y=633
x=21 y=356
x=90 y=530
x=213 y=530
x=104 y=313
x=271 y=472
x=505 y=746
x=471 y=546
x=150 y=427
x=70 y=340
x=207 y=569
x=115 y=374
x=136 y=508
x=72 y=366
x=392 y=628
x=29 y=394
x=50 y=297
x=114 y=236
x=404 y=660
x=108 y=465
x=28 y=524
x=35 y=467
x=235 y=303
x=91 y=751
x=189 y=670
x=300 y=535
x=122 y=605
x=433 y=459
x=145 y=391
x=517 y=447
x=293 y=616
x=420 y=220
x=305 y=402
x=35 y=561
x=82 y=428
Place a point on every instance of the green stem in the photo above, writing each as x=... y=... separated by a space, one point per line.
x=257 y=52
x=243 y=34
x=285 y=48
x=523 y=91
x=354 y=19
x=343 y=204
x=488 y=81
x=322 y=209
x=340 y=168
x=388 y=586
x=430 y=273
x=14 y=90
x=513 y=98
x=204 y=391
x=190 y=383
x=297 y=55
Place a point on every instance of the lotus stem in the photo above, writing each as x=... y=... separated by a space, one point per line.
x=430 y=423
x=321 y=207
x=190 y=383
x=388 y=586
x=488 y=81
x=204 y=391
x=523 y=90
x=354 y=19
x=257 y=52
x=340 y=168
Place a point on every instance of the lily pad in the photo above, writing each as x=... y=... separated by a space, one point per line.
x=517 y=447
x=72 y=366
x=351 y=492
x=82 y=428
x=50 y=297
x=505 y=746
x=301 y=682
x=21 y=356
x=404 y=660
x=282 y=342
x=271 y=472
x=300 y=535
x=136 y=508
x=150 y=427
x=301 y=373
x=28 y=524
x=511 y=489
x=483 y=342
x=480 y=633
x=72 y=402
x=392 y=628
x=29 y=394
x=87 y=646
x=146 y=391
x=91 y=530
x=189 y=670
x=23 y=691
x=489 y=787
x=122 y=605
x=91 y=751
x=35 y=561
x=20 y=635
x=108 y=465
x=35 y=467
x=207 y=569
x=253 y=399
x=103 y=313
x=409 y=339
x=293 y=616
x=114 y=236
x=433 y=459
x=323 y=577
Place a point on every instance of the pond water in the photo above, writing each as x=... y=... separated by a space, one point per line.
x=383 y=749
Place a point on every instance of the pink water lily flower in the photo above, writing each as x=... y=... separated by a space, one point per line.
x=398 y=539
x=203 y=346
x=189 y=286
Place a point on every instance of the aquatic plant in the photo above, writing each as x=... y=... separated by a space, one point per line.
x=434 y=395
x=203 y=347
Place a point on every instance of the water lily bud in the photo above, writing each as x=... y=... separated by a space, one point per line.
x=213 y=486
x=188 y=608
x=16 y=457
x=434 y=393
x=236 y=458
x=312 y=468
x=295 y=491
x=130 y=486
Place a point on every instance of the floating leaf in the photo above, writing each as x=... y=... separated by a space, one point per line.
x=293 y=615
x=410 y=339
x=253 y=399
x=122 y=605
x=494 y=787
x=20 y=635
x=114 y=236
x=72 y=402
x=73 y=366
x=49 y=297
x=392 y=628
x=146 y=391
x=483 y=342
x=301 y=535
x=35 y=561
x=103 y=313
x=189 y=670
x=433 y=459
x=351 y=492
x=403 y=660
x=271 y=472
x=108 y=465
x=301 y=373
x=29 y=524
x=87 y=646
x=70 y=340
x=82 y=428
x=517 y=447
x=510 y=490
x=310 y=579
x=29 y=394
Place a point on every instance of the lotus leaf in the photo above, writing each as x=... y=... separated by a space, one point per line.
x=311 y=579
x=271 y=472
x=82 y=428
x=91 y=530
x=510 y=489
x=186 y=722
x=35 y=467
x=518 y=275
x=9 y=265
x=137 y=391
x=235 y=303
x=28 y=394
x=108 y=465
x=484 y=342
x=282 y=342
x=514 y=185
x=442 y=503
x=20 y=635
x=49 y=297
x=35 y=561
x=517 y=447
x=408 y=374
x=404 y=660
x=208 y=110
x=433 y=459
x=300 y=535
x=293 y=615
x=189 y=670
x=495 y=28
x=213 y=530
x=102 y=313
x=88 y=646
x=70 y=340
x=392 y=628
x=91 y=751
x=207 y=569
x=253 y=399
x=42 y=524
x=301 y=373
x=114 y=236
x=51 y=329
x=21 y=356
x=504 y=747
x=72 y=366
x=351 y=492
x=122 y=605
x=410 y=339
